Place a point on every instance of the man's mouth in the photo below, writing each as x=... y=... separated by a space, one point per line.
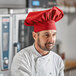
x=50 y=44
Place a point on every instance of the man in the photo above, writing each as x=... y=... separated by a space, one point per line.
x=38 y=59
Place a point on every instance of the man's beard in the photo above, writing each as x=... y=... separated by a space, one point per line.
x=45 y=47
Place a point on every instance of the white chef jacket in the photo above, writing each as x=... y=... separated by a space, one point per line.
x=28 y=62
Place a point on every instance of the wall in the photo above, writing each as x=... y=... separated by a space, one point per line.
x=66 y=33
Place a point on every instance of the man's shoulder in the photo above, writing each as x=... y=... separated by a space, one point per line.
x=27 y=49
x=56 y=56
x=21 y=58
x=24 y=52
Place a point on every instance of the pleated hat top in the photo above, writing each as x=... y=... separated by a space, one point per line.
x=44 y=20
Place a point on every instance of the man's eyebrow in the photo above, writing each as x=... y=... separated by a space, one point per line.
x=46 y=32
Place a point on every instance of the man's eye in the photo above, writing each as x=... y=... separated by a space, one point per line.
x=47 y=35
x=54 y=34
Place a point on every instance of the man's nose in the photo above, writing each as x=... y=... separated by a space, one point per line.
x=51 y=39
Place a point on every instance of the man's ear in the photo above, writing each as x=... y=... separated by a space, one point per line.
x=34 y=34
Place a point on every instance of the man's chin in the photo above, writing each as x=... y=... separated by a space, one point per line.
x=47 y=49
x=50 y=48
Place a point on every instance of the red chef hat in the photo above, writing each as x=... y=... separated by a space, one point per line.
x=44 y=20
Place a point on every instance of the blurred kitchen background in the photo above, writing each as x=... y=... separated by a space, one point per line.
x=14 y=36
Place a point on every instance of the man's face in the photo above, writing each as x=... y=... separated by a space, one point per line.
x=45 y=40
